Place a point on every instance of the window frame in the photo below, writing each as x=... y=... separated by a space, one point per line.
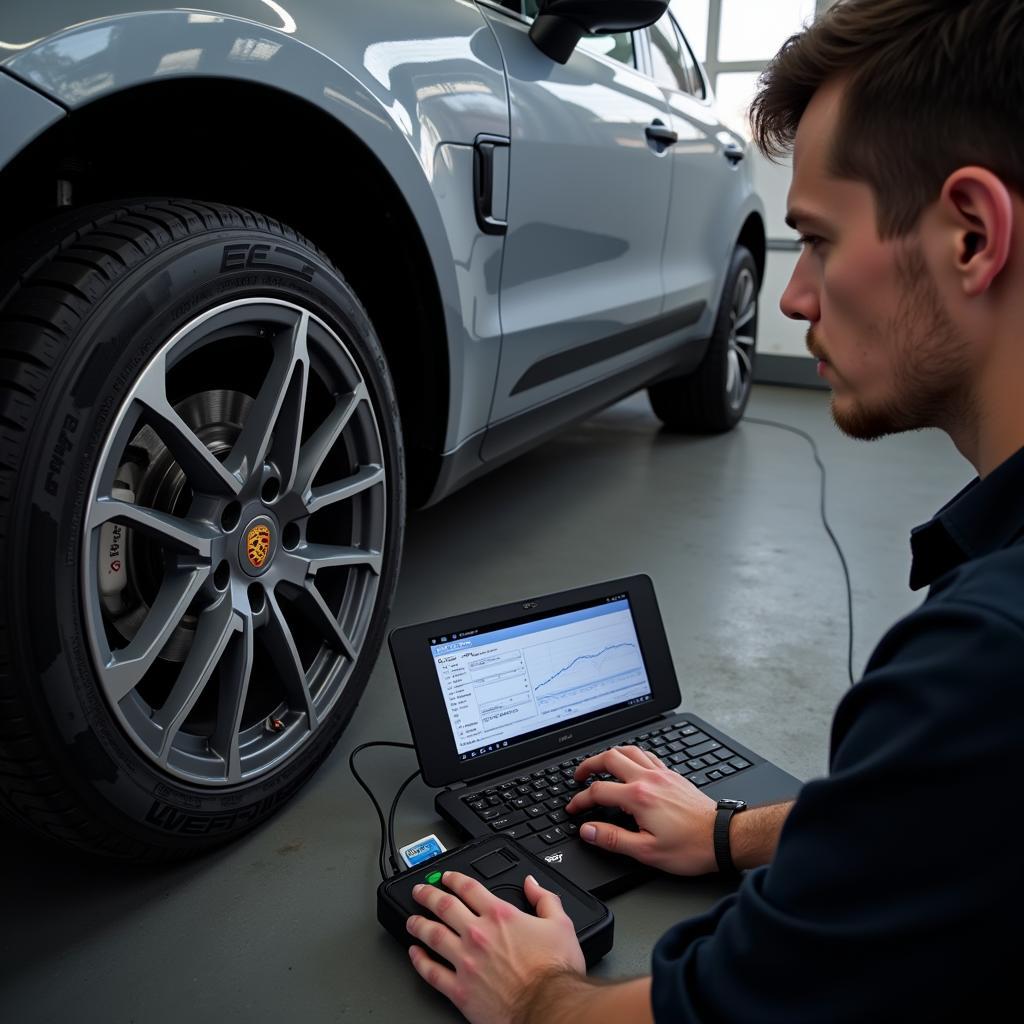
x=652 y=46
x=648 y=69
x=701 y=74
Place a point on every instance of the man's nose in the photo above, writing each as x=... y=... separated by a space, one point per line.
x=800 y=299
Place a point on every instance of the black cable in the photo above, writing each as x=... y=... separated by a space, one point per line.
x=373 y=799
x=391 y=821
x=387 y=834
x=828 y=529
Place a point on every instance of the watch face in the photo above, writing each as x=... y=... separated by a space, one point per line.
x=735 y=805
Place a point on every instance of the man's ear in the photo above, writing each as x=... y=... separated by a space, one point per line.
x=979 y=208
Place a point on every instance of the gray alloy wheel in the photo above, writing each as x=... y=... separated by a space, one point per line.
x=740 y=359
x=202 y=503
x=712 y=398
x=210 y=532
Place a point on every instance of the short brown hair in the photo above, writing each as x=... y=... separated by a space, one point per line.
x=932 y=85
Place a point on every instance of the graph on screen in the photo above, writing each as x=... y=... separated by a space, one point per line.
x=514 y=682
x=585 y=671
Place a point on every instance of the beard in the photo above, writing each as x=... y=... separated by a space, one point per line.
x=930 y=380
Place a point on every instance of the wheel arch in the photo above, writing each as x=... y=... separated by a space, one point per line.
x=752 y=236
x=375 y=241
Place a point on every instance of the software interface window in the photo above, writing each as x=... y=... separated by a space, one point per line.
x=514 y=682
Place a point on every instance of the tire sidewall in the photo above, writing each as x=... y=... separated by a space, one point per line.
x=123 y=330
x=719 y=348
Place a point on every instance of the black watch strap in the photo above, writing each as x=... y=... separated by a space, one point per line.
x=720 y=837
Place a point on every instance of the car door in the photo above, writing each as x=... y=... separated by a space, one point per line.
x=581 y=285
x=705 y=184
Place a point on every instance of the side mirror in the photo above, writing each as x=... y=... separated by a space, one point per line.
x=560 y=24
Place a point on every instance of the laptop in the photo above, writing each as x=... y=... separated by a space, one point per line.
x=504 y=703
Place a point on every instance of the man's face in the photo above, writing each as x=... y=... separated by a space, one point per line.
x=879 y=327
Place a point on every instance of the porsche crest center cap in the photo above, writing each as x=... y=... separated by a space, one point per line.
x=257 y=545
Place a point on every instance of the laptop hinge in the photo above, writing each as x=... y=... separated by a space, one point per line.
x=477 y=780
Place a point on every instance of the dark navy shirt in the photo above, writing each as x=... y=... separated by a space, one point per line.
x=896 y=889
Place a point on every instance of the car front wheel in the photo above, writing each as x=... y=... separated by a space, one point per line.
x=201 y=512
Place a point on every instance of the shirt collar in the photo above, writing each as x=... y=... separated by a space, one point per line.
x=985 y=516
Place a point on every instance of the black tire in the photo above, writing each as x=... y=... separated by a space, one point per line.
x=96 y=304
x=705 y=401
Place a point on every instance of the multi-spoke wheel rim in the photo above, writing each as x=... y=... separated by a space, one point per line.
x=739 y=373
x=233 y=541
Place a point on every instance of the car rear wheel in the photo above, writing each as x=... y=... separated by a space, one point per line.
x=202 y=506
x=713 y=398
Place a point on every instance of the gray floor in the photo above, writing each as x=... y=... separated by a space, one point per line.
x=282 y=924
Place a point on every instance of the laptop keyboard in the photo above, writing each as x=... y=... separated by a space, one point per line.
x=531 y=808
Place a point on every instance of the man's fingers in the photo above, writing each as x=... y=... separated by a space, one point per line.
x=644 y=758
x=474 y=895
x=444 y=905
x=654 y=760
x=600 y=794
x=545 y=902
x=615 y=839
x=434 y=935
x=622 y=762
x=441 y=978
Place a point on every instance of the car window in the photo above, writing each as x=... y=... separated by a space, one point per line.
x=690 y=64
x=618 y=46
x=666 y=55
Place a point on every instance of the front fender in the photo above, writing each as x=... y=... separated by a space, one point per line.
x=407 y=79
x=26 y=116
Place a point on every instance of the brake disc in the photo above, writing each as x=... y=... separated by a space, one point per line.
x=129 y=574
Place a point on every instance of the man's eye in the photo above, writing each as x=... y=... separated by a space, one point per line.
x=810 y=240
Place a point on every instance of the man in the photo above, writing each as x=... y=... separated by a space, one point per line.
x=891 y=889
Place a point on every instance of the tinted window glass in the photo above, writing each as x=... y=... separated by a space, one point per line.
x=666 y=54
x=690 y=65
x=618 y=46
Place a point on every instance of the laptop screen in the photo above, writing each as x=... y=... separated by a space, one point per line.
x=496 y=688
x=511 y=681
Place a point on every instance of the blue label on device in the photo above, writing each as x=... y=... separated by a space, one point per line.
x=424 y=849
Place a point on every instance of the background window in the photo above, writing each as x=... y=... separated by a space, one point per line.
x=735 y=92
x=754 y=29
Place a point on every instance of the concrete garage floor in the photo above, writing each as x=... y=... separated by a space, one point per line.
x=281 y=925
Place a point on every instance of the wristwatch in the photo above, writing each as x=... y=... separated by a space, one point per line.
x=720 y=837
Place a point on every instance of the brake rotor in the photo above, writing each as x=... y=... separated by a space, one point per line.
x=152 y=478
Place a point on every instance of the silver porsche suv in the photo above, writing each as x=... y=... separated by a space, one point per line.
x=272 y=271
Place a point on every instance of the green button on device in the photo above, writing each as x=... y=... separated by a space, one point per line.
x=434 y=877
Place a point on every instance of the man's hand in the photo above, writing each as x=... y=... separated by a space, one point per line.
x=498 y=953
x=676 y=819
